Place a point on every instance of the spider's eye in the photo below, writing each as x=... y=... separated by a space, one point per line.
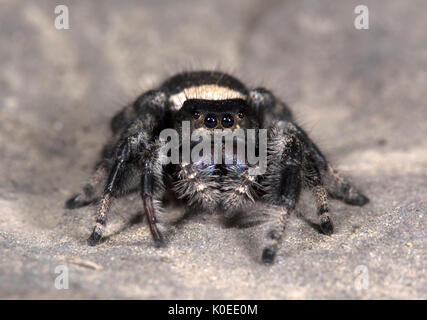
x=241 y=115
x=210 y=121
x=227 y=121
x=196 y=115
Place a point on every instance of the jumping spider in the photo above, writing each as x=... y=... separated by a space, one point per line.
x=212 y=100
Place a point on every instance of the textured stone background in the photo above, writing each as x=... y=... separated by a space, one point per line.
x=361 y=95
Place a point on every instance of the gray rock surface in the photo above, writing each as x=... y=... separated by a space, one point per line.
x=361 y=94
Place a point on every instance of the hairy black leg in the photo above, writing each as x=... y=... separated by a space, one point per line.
x=151 y=218
x=267 y=107
x=336 y=186
x=282 y=183
x=287 y=194
x=122 y=157
x=101 y=220
x=136 y=128
x=339 y=188
x=89 y=192
x=274 y=235
x=322 y=209
x=313 y=180
x=152 y=187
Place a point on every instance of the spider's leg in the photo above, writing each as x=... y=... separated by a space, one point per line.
x=111 y=188
x=269 y=218
x=283 y=177
x=89 y=192
x=311 y=173
x=320 y=195
x=339 y=188
x=336 y=186
x=134 y=146
x=282 y=184
x=313 y=180
x=269 y=109
x=152 y=188
x=274 y=235
x=149 y=106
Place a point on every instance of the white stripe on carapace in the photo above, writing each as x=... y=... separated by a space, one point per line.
x=204 y=92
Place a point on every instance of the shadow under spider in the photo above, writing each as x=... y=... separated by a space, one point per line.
x=137 y=218
x=239 y=221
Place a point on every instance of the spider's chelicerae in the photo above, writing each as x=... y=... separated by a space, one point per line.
x=210 y=101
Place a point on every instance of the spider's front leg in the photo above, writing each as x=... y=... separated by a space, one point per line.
x=311 y=171
x=123 y=155
x=151 y=188
x=282 y=184
x=290 y=169
x=136 y=152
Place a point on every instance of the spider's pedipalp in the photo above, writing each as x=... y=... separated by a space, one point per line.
x=198 y=186
x=239 y=189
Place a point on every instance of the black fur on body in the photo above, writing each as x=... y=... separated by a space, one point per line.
x=206 y=99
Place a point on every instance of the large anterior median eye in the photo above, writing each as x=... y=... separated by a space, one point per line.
x=210 y=121
x=227 y=121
